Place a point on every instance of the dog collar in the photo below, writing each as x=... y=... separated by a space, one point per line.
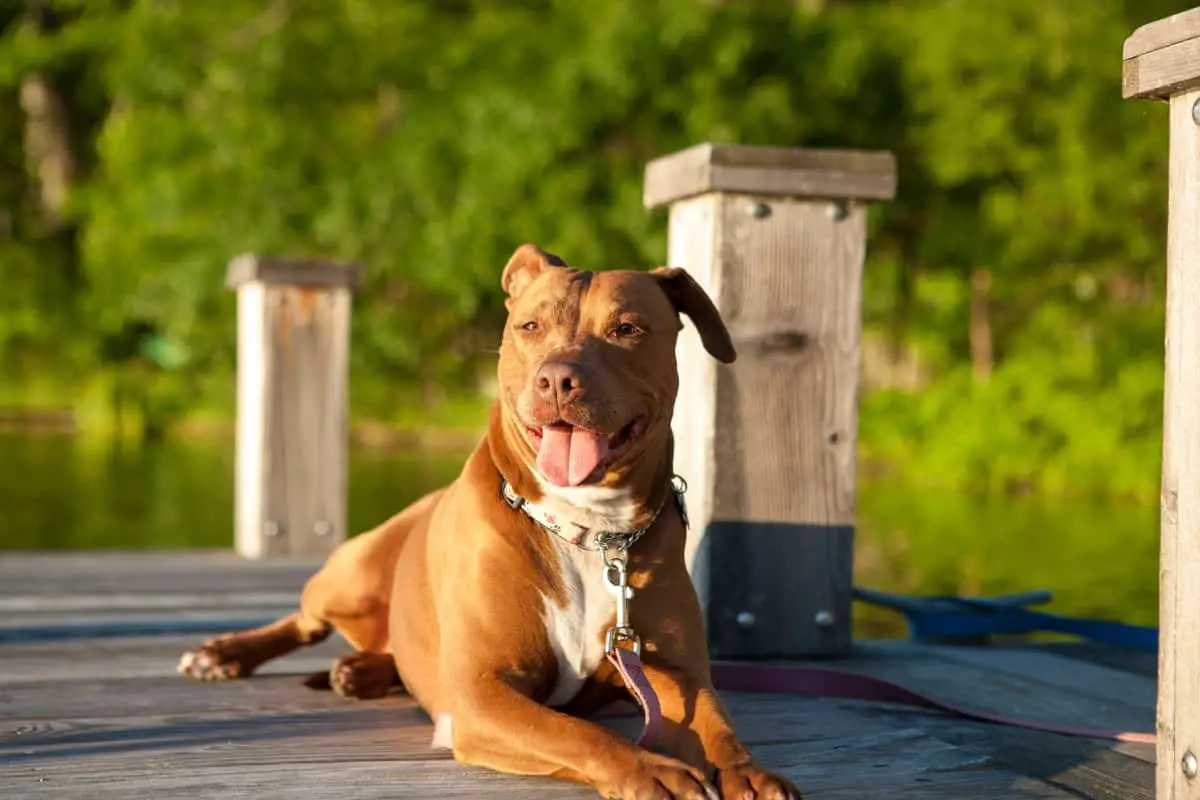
x=587 y=538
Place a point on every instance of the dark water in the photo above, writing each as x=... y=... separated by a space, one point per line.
x=1098 y=559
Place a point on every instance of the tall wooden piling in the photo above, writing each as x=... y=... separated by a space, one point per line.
x=777 y=237
x=1162 y=62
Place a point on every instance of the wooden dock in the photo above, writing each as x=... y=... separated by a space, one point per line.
x=91 y=707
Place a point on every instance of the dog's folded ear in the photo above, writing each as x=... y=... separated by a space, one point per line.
x=528 y=262
x=688 y=298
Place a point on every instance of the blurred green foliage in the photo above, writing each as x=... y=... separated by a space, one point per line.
x=426 y=138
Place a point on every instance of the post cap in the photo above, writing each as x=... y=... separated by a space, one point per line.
x=770 y=171
x=1162 y=58
x=291 y=272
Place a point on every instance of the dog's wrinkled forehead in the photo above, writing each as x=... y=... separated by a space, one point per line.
x=539 y=283
x=585 y=300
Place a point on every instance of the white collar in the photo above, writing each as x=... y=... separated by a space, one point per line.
x=587 y=538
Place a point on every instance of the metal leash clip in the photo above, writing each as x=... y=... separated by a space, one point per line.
x=616 y=582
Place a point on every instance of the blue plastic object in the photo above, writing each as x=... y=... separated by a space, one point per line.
x=947 y=618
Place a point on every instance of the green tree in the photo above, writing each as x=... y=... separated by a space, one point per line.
x=1019 y=267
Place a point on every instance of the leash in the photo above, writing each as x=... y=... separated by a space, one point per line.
x=629 y=666
x=786 y=679
x=628 y=660
x=818 y=682
x=730 y=676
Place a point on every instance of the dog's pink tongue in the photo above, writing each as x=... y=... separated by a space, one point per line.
x=568 y=455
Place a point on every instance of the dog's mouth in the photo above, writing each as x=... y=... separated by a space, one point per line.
x=571 y=455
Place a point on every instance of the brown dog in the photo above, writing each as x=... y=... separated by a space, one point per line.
x=489 y=600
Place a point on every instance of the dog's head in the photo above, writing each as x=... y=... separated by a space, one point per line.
x=587 y=369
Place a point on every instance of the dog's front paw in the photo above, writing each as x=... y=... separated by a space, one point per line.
x=363 y=676
x=750 y=782
x=219 y=659
x=660 y=778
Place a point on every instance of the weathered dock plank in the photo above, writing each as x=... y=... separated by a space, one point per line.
x=98 y=717
x=1030 y=684
x=200 y=573
x=1087 y=768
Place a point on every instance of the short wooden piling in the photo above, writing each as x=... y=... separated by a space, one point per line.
x=292 y=375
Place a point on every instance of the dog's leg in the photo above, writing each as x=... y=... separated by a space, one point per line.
x=361 y=676
x=351 y=593
x=237 y=655
x=697 y=729
x=329 y=600
x=498 y=727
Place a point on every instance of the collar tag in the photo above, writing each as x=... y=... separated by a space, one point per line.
x=678 y=488
x=511 y=498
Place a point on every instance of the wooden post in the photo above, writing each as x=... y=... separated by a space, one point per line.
x=293 y=358
x=777 y=237
x=1162 y=61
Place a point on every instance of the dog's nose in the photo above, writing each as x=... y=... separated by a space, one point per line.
x=559 y=382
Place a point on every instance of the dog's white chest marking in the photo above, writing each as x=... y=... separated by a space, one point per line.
x=576 y=628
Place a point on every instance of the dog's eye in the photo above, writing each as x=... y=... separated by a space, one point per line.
x=530 y=326
x=623 y=330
